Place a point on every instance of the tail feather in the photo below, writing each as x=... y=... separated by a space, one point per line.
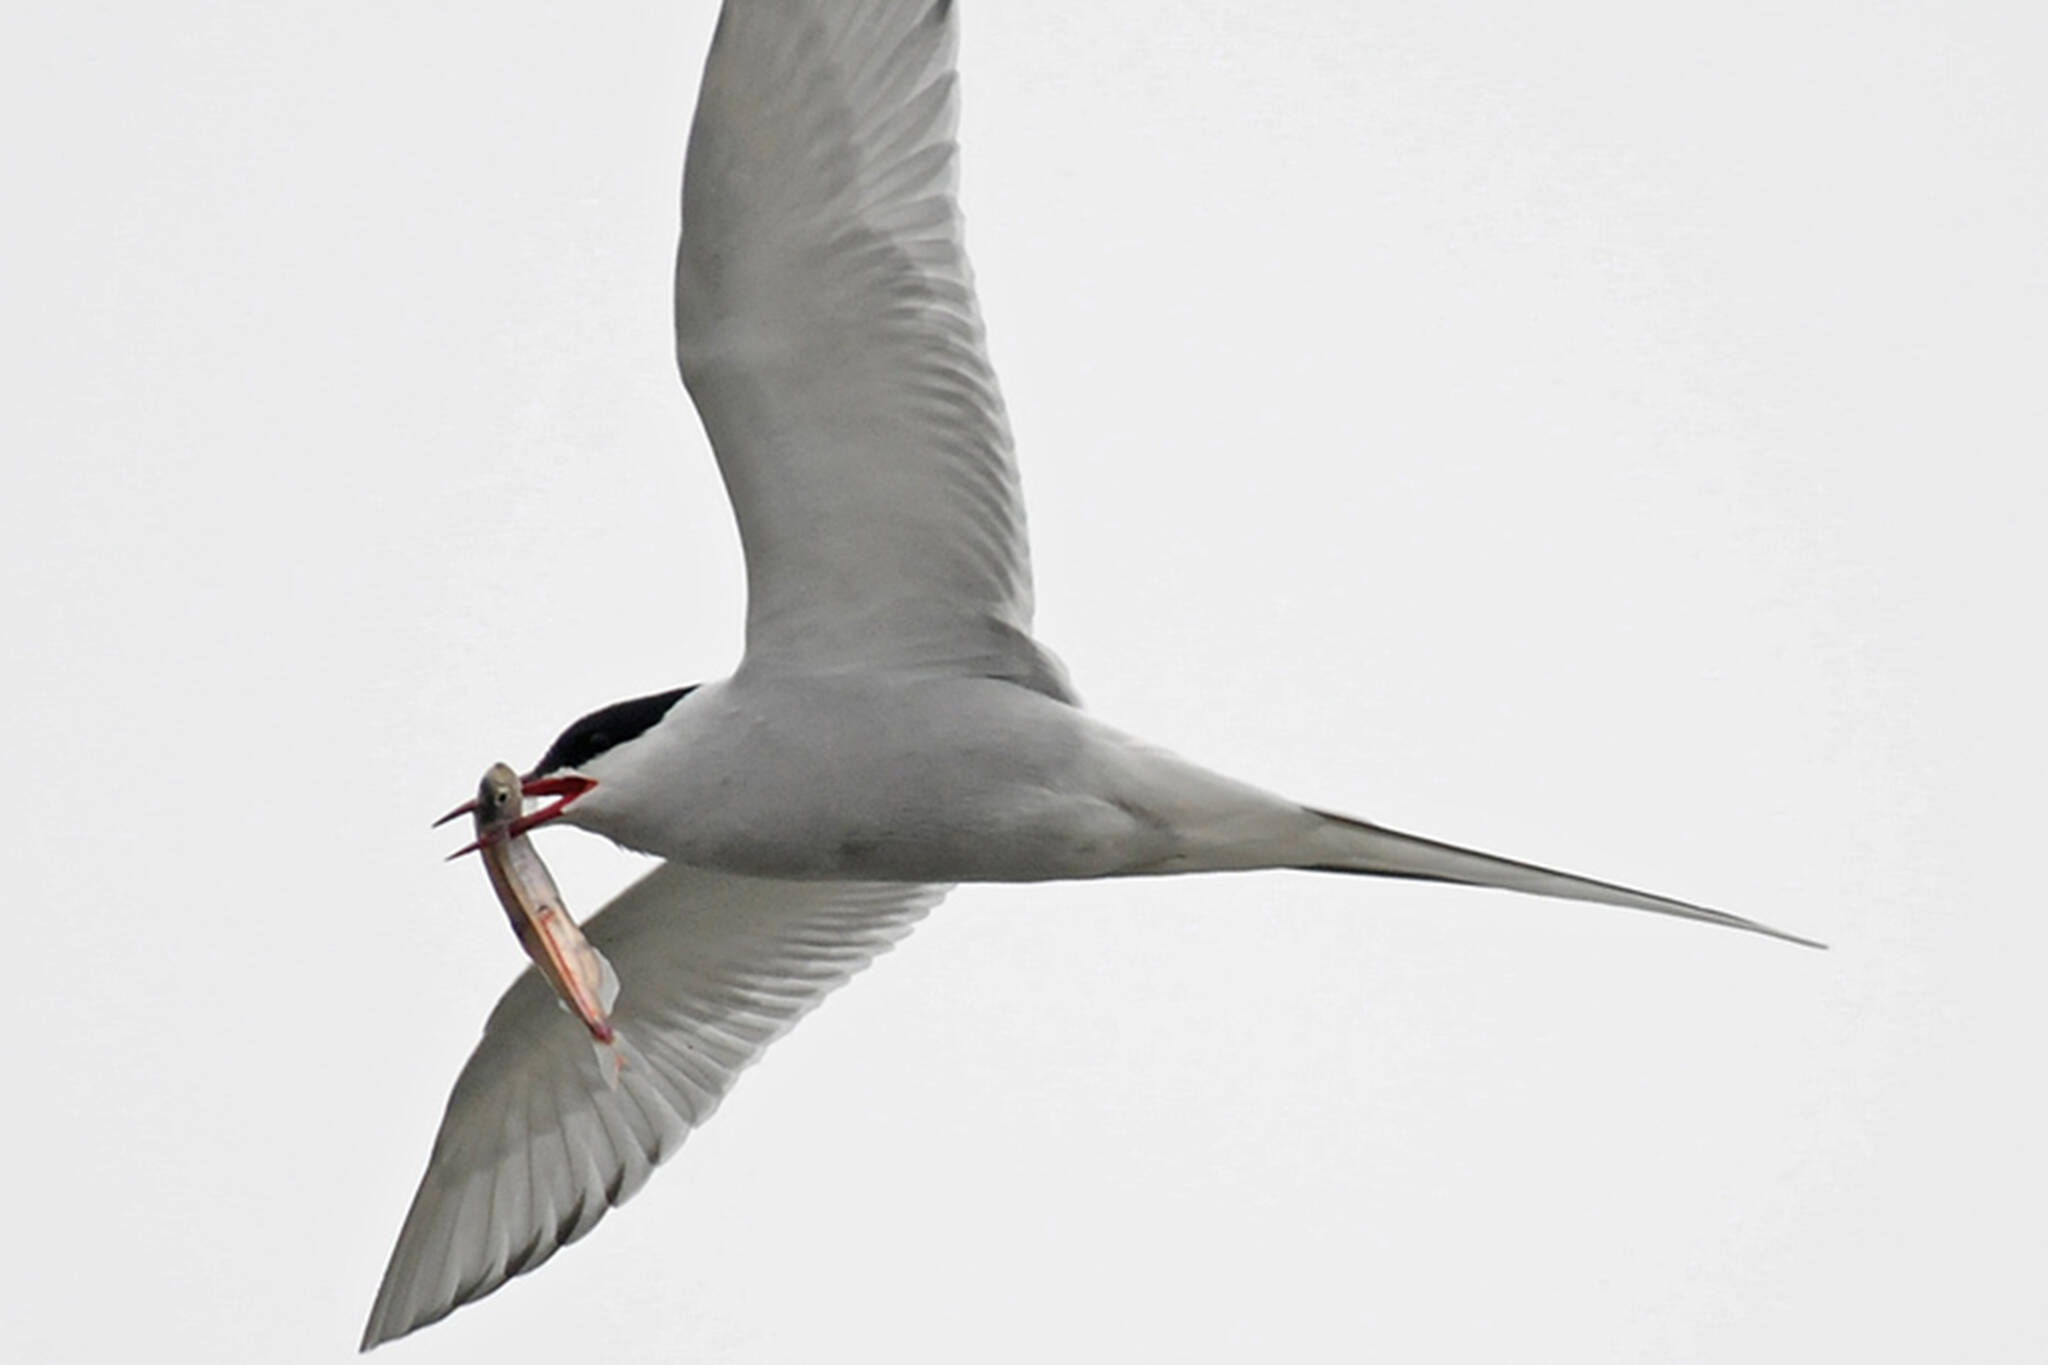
x=1372 y=850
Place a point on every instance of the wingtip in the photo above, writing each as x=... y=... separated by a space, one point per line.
x=389 y=1320
x=378 y=1329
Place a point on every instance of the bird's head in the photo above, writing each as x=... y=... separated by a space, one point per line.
x=573 y=767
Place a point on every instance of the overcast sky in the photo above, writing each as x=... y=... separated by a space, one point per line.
x=1607 y=437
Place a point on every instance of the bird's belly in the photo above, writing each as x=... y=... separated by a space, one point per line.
x=892 y=827
x=962 y=781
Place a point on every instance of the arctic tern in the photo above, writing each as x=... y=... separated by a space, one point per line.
x=893 y=727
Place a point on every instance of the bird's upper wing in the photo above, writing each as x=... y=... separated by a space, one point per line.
x=826 y=327
x=534 y=1146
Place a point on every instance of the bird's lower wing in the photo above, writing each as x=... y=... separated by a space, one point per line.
x=535 y=1145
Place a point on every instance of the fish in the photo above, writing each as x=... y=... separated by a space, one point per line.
x=583 y=980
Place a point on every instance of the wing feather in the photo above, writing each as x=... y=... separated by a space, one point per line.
x=827 y=329
x=535 y=1148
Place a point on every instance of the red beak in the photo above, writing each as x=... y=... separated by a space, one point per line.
x=567 y=786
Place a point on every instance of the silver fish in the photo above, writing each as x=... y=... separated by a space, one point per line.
x=583 y=980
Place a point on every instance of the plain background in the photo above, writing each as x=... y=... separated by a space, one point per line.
x=1596 y=433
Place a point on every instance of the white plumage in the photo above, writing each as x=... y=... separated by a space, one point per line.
x=893 y=727
x=535 y=1147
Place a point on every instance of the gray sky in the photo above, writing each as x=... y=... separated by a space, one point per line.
x=1602 y=436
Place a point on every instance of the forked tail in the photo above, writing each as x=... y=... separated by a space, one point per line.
x=1347 y=845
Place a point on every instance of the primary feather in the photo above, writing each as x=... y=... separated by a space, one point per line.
x=536 y=1146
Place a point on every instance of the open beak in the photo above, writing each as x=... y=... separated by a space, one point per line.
x=568 y=787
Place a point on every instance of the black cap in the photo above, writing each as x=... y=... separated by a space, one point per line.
x=607 y=728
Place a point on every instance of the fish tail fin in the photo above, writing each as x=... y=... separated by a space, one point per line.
x=611 y=1059
x=607 y=980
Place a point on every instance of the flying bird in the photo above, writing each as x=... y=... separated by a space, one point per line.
x=893 y=727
